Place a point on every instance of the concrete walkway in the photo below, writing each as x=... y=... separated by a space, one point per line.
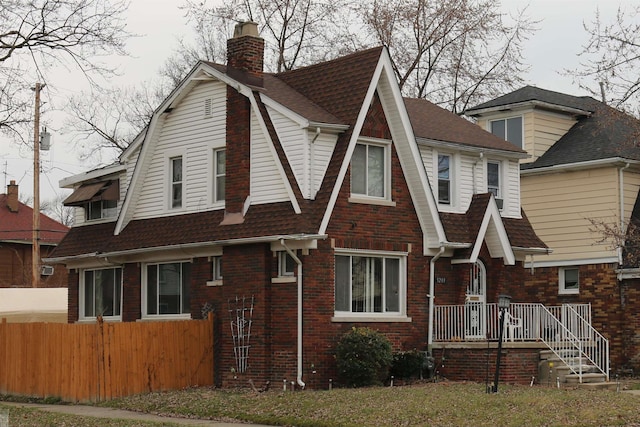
x=110 y=413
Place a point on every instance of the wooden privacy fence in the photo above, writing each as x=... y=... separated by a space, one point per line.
x=101 y=361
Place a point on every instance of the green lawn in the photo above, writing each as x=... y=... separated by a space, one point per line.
x=439 y=404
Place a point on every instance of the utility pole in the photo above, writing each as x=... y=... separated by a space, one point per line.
x=35 y=253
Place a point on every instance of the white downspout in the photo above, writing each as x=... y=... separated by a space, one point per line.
x=622 y=227
x=431 y=296
x=297 y=260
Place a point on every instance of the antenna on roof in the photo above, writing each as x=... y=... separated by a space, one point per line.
x=604 y=98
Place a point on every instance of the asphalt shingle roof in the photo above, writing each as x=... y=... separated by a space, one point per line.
x=18 y=226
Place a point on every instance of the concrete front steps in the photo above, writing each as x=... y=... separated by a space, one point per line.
x=553 y=370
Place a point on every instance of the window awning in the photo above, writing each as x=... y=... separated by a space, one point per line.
x=105 y=190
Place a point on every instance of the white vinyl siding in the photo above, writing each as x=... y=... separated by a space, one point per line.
x=470 y=178
x=321 y=153
x=295 y=145
x=187 y=130
x=267 y=184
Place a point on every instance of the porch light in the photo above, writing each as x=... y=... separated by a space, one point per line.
x=503 y=304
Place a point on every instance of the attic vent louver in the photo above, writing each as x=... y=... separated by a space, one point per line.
x=208 y=107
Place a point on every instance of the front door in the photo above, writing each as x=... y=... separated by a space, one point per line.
x=475 y=318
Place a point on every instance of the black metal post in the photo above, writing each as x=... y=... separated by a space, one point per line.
x=500 y=331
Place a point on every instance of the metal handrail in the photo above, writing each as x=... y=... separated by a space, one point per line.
x=596 y=348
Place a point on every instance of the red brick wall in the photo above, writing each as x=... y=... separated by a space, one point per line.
x=517 y=365
x=238 y=156
x=73 y=296
x=131 y=292
x=246 y=53
x=598 y=286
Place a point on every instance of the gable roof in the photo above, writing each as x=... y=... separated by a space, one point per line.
x=482 y=223
x=18 y=226
x=335 y=93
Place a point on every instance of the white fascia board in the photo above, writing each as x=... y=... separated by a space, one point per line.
x=492 y=217
x=276 y=158
x=573 y=262
x=611 y=161
x=457 y=146
x=420 y=191
x=303 y=122
x=527 y=104
x=357 y=128
x=71 y=181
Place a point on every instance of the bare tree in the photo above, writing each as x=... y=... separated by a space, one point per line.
x=453 y=52
x=36 y=35
x=624 y=237
x=297 y=32
x=612 y=58
x=107 y=120
x=54 y=209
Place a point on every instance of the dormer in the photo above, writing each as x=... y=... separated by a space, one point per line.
x=531 y=118
x=97 y=194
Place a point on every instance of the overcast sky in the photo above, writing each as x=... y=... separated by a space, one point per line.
x=552 y=49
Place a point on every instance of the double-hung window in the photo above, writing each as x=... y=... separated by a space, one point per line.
x=444 y=179
x=101 y=209
x=493 y=179
x=509 y=129
x=176 y=182
x=569 y=280
x=167 y=288
x=219 y=172
x=371 y=284
x=286 y=264
x=370 y=171
x=101 y=293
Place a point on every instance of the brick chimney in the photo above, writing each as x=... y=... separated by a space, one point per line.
x=245 y=54
x=12 y=196
x=245 y=59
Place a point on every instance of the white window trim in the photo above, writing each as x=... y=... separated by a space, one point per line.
x=143 y=276
x=386 y=200
x=102 y=218
x=561 y=281
x=215 y=272
x=401 y=316
x=168 y=190
x=82 y=317
x=453 y=176
x=500 y=177
x=213 y=148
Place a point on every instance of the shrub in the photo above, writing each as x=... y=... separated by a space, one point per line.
x=363 y=357
x=407 y=364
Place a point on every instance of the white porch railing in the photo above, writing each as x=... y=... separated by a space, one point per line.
x=564 y=329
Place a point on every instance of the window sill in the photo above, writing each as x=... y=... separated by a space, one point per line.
x=283 y=279
x=569 y=292
x=371 y=318
x=214 y=282
x=163 y=317
x=90 y=320
x=371 y=201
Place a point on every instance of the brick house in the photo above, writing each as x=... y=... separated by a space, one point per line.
x=297 y=205
x=16 y=244
x=584 y=166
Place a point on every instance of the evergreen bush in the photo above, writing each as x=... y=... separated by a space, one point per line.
x=364 y=357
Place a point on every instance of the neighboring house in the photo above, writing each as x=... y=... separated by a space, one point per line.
x=16 y=244
x=583 y=176
x=295 y=206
